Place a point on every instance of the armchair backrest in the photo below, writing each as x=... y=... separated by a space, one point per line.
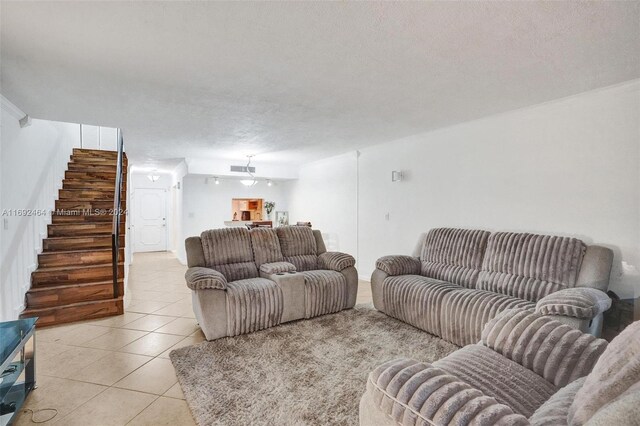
x=229 y=251
x=298 y=246
x=530 y=266
x=453 y=255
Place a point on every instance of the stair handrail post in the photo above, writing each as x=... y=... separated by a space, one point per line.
x=115 y=233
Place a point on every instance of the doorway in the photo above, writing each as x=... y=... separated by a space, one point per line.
x=150 y=220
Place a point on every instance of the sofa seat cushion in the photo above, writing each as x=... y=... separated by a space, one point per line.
x=554 y=411
x=325 y=292
x=465 y=312
x=499 y=377
x=416 y=300
x=454 y=255
x=409 y=392
x=253 y=304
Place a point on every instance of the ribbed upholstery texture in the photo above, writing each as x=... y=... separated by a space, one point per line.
x=399 y=265
x=416 y=393
x=416 y=300
x=199 y=278
x=252 y=305
x=266 y=246
x=277 y=267
x=530 y=266
x=298 y=246
x=229 y=251
x=555 y=351
x=579 y=302
x=554 y=411
x=617 y=374
x=325 y=292
x=454 y=255
x=465 y=312
x=335 y=261
x=520 y=388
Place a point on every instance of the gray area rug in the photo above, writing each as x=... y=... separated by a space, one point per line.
x=309 y=372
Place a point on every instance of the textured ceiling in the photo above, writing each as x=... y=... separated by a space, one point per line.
x=295 y=82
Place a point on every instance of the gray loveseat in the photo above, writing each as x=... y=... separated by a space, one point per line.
x=244 y=281
x=459 y=279
x=527 y=369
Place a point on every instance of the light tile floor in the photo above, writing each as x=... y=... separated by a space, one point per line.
x=116 y=370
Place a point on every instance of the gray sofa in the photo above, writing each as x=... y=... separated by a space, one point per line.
x=528 y=369
x=459 y=279
x=243 y=281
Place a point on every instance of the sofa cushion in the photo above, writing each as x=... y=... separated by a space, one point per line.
x=496 y=376
x=453 y=255
x=465 y=312
x=615 y=376
x=253 y=304
x=554 y=411
x=555 y=351
x=298 y=245
x=325 y=292
x=266 y=246
x=416 y=393
x=530 y=266
x=335 y=261
x=416 y=300
x=399 y=265
x=277 y=268
x=229 y=251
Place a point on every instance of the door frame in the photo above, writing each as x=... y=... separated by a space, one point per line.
x=133 y=220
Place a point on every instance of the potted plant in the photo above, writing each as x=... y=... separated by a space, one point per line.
x=268 y=206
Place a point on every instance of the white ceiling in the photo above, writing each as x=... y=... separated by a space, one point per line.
x=295 y=82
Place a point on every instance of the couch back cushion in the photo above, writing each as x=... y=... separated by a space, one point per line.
x=298 y=246
x=266 y=246
x=613 y=381
x=228 y=251
x=530 y=266
x=453 y=255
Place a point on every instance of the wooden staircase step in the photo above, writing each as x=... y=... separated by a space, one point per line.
x=94 y=167
x=60 y=217
x=76 y=257
x=75 y=312
x=79 y=243
x=84 y=175
x=95 y=153
x=48 y=297
x=87 y=194
x=91 y=184
x=79 y=229
x=89 y=205
x=46 y=277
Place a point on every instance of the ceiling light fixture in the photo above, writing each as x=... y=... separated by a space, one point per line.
x=153 y=177
x=216 y=180
x=252 y=181
x=269 y=182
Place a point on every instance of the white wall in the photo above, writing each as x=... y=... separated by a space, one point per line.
x=326 y=195
x=568 y=167
x=208 y=206
x=33 y=161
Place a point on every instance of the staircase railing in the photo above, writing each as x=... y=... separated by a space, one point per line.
x=115 y=232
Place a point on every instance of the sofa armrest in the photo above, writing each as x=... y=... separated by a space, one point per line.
x=578 y=302
x=199 y=278
x=399 y=265
x=555 y=351
x=277 y=267
x=335 y=261
x=412 y=392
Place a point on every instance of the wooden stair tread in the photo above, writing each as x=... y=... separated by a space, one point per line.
x=82 y=267
x=72 y=285
x=75 y=311
x=79 y=304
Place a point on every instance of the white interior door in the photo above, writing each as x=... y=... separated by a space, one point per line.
x=150 y=220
